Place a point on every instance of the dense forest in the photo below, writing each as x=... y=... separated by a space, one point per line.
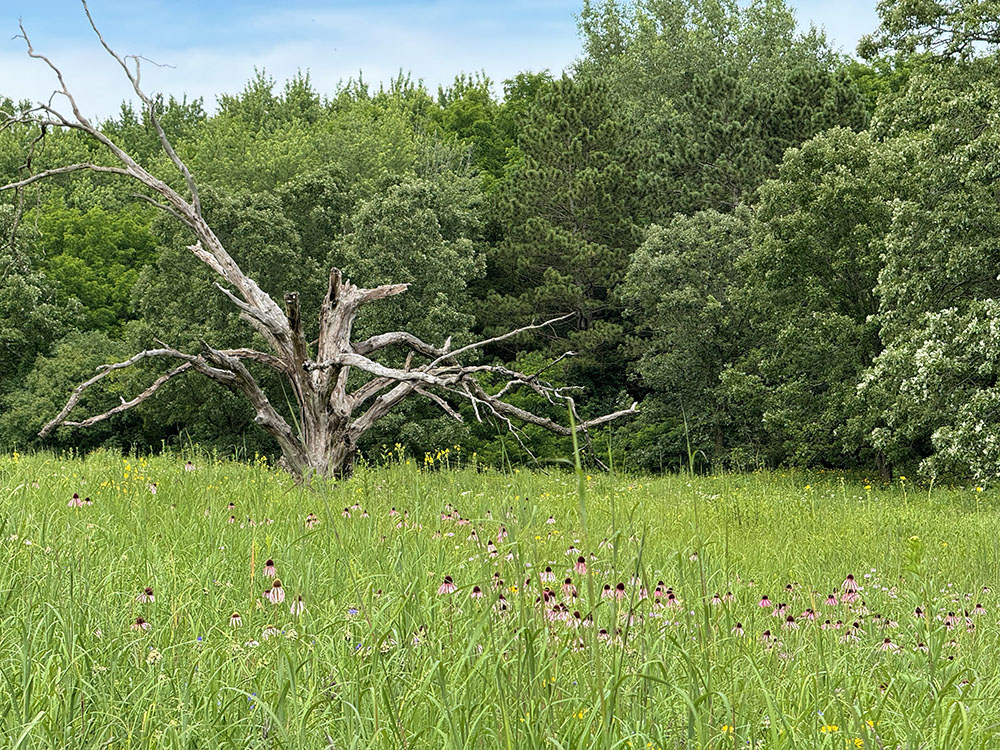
x=788 y=256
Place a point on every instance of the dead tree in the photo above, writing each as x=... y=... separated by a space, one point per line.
x=330 y=417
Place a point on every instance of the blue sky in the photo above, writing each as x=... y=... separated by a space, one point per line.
x=213 y=46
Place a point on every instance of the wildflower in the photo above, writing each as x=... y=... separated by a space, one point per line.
x=269 y=631
x=728 y=596
x=809 y=614
x=831 y=600
x=716 y=599
x=146 y=596
x=235 y=620
x=888 y=645
x=501 y=606
x=491 y=549
x=269 y=570
x=829 y=728
x=765 y=638
x=764 y=602
x=849 y=585
x=188 y=466
x=291 y=634
x=918 y=613
x=75 y=501
x=568 y=589
x=276 y=594
x=152 y=488
x=551 y=520
x=606 y=591
x=580 y=568
x=738 y=630
x=346 y=513
x=620 y=591
x=547 y=575
x=502 y=534
x=312 y=521
x=153 y=656
x=232 y=519
x=448 y=586
x=476 y=593
x=979 y=610
x=298 y=606
x=393 y=512
x=140 y=624
x=790 y=623
x=950 y=620
x=87 y=501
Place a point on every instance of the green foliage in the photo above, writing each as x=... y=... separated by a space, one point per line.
x=680 y=290
x=809 y=294
x=567 y=209
x=92 y=258
x=946 y=28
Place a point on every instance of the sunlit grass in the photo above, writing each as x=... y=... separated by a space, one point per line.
x=380 y=658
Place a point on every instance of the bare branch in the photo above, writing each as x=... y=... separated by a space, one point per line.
x=497 y=339
x=63 y=170
x=126 y=405
x=105 y=370
x=398 y=338
x=445 y=406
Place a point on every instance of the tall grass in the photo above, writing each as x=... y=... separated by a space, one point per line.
x=380 y=659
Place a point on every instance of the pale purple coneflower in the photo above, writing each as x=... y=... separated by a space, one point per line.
x=728 y=596
x=87 y=501
x=716 y=599
x=831 y=600
x=580 y=567
x=447 y=586
x=152 y=488
x=235 y=620
x=298 y=606
x=620 y=591
x=140 y=624
x=764 y=602
x=738 y=630
x=547 y=575
x=75 y=502
x=188 y=466
x=269 y=570
x=146 y=596
x=551 y=520
x=312 y=521
x=606 y=592
x=502 y=534
x=790 y=623
x=476 y=593
x=568 y=589
x=346 y=513
x=888 y=645
x=275 y=594
x=850 y=586
x=232 y=519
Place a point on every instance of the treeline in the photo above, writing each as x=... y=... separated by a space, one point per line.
x=786 y=255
